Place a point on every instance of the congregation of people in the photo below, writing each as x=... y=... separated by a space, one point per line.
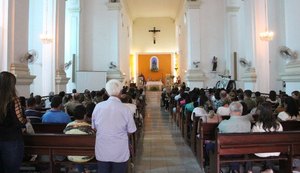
x=87 y=113
x=248 y=111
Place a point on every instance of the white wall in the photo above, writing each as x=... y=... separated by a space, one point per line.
x=98 y=36
x=143 y=39
x=292 y=16
x=34 y=43
x=212 y=30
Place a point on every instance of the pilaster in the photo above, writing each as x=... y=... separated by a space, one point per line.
x=17 y=44
x=232 y=36
x=24 y=79
x=194 y=76
x=60 y=75
x=61 y=80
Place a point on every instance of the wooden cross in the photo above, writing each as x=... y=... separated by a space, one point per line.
x=154 y=30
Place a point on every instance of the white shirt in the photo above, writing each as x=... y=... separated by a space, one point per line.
x=199 y=112
x=113 y=121
x=258 y=127
x=223 y=110
x=132 y=107
x=283 y=116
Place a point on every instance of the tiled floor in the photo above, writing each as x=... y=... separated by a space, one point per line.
x=162 y=148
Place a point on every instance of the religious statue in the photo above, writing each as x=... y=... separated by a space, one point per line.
x=215 y=63
x=154 y=64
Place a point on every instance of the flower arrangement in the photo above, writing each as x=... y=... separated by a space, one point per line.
x=154 y=69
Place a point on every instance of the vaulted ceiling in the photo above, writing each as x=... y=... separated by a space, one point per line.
x=153 y=8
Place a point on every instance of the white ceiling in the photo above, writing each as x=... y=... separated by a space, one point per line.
x=153 y=8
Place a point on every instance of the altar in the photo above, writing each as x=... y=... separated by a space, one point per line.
x=150 y=84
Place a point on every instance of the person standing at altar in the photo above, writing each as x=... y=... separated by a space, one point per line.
x=178 y=80
x=143 y=78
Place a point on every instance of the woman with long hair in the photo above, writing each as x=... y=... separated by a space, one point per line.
x=266 y=122
x=11 y=123
x=291 y=110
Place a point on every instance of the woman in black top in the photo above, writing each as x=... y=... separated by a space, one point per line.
x=11 y=123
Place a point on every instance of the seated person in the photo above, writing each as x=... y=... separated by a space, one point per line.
x=273 y=99
x=55 y=114
x=31 y=113
x=291 y=110
x=79 y=126
x=89 y=111
x=235 y=124
x=266 y=122
x=127 y=100
x=200 y=111
x=224 y=109
x=71 y=104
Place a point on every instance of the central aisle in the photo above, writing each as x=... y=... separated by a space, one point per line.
x=161 y=148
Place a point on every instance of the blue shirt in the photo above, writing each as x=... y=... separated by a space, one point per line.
x=112 y=120
x=55 y=116
x=235 y=124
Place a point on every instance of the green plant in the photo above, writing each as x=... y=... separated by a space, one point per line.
x=154 y=88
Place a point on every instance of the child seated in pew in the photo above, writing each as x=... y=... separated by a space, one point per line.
x=266 y=122
x=80 y=126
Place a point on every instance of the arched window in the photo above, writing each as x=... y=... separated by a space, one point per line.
x=154 y=64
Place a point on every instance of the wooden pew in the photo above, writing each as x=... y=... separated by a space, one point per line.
x=59 y=145
x=186 y=126
x=205 y=131
x=62 y=145
x=57 y=128
x=290 y=125
x=194 y=134
x=245 y=144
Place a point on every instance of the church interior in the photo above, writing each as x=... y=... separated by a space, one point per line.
x=62 y=45
x=255 y=42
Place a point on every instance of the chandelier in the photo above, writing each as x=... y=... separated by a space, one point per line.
x=266 y=35
x=45 y=37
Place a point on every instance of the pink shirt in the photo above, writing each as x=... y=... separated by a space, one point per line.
x=113 y=121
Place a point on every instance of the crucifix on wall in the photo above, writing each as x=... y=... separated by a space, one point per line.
x=154 y=30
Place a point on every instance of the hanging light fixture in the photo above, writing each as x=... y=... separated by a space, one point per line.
x=45 y=37
x=266 y=35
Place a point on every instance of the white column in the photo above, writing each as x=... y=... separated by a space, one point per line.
x=248 y=75
x=3 y=35
x=72 y=41
x=60 y=76
x=194 y=76
x=232 y=36
x=262 y=49
x=48 y=59
x=115 y=7
x=17 y=44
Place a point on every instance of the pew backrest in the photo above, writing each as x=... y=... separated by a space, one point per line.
x=57 y=128
x=286 y=142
